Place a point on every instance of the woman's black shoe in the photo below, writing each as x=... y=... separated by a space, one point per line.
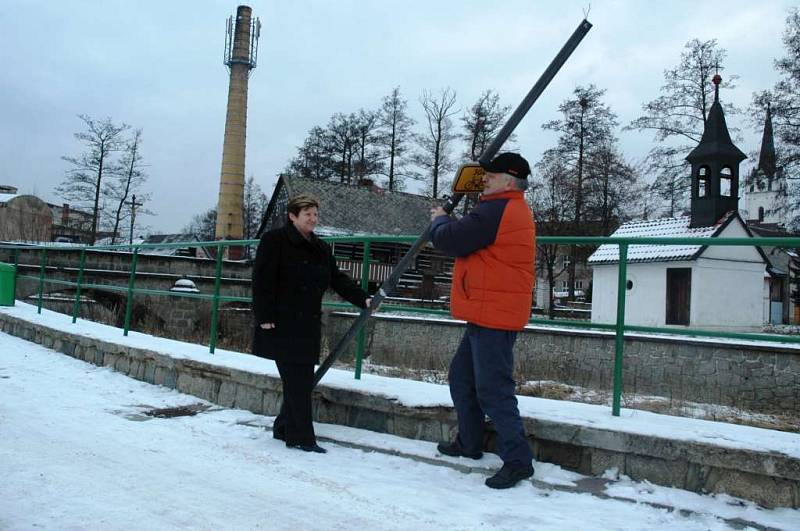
x=317 y=449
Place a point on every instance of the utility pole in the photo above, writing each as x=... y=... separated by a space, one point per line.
x=133 y=204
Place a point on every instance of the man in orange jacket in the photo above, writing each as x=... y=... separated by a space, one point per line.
x=493 y=280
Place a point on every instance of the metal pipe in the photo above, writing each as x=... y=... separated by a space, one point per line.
x=212 y=342
x=619 y=339
x=364 y=285
x=131 y=285
x=42 y=265
x=76 y=307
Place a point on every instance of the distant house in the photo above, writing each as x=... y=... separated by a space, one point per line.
x=71 y=224
x=367 y=210
x=24 y=217
x=346 y=210
x=190 y=251
x=712 y=287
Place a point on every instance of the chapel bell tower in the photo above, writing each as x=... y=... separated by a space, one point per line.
x=715 y=169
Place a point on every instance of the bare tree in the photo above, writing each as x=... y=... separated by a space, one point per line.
x=434 y=143
x=481 y=122
x=367 y=147
x=396 y=132
x=126 y=180
x=203 y=226
x=613 y=189
x=678 y=115
x=253 y=208
x=550 y=198
x=342 y=134
x=586 y=127
x=784 y=101
x=315 y=159
x=83 y=182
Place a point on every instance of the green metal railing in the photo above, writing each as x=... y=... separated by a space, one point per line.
x=619 y=327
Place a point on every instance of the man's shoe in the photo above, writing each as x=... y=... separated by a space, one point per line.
x=454 y=449
x=509 y=475
x=317 y=449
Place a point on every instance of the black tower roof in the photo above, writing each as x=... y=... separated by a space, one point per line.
x=716 y=141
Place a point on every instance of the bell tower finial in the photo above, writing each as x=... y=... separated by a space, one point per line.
x=717 y=79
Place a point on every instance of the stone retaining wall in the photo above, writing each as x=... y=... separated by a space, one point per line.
x=766 y=478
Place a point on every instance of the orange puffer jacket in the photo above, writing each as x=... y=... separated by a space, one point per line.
x=495 y=246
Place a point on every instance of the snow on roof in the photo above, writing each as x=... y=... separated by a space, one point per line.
x=5 y=198
x=672 y=227
x=326 y=231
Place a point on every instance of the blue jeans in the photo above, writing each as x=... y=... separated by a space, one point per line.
x=481 y=384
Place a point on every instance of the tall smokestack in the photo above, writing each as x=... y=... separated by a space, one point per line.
x=241 y=48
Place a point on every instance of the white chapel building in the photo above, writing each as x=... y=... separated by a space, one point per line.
x=708 y=287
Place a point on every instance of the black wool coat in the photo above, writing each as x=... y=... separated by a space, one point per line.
x=290 y=275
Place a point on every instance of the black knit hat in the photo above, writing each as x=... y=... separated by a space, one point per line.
x=510 y=163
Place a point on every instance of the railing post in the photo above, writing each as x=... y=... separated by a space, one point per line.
x=212 y=341
x=364 y=285
x=76 y=307
x=16 y=269
x=619 y=344
x=131 y=284
x=42 y=265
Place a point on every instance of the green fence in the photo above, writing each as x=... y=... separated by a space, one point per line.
x=619 y=327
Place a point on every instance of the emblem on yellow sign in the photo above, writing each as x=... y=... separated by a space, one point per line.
x=469 y=179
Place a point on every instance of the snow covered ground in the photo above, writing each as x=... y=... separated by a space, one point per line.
x=77 y=451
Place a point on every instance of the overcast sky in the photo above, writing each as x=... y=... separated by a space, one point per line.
x=158 y=66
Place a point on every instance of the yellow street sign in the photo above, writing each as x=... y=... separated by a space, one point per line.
x=469 y=179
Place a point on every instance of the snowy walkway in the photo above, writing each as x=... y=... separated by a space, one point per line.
x=77 y=452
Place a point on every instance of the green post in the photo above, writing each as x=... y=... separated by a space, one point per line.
x=620 y=326
x=212 y=342
x=42 y=265
x=364 y=285
x=131 y=284
x=16 y=267
x=76 y=307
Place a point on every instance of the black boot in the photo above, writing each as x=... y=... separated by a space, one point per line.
x=509 y=475
x=454 y=449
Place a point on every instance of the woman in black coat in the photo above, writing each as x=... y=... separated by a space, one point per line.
x=293 y=268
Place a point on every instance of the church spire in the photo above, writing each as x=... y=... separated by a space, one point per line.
x=766 y=158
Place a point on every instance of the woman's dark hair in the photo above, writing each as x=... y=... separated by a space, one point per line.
x=300 y=202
